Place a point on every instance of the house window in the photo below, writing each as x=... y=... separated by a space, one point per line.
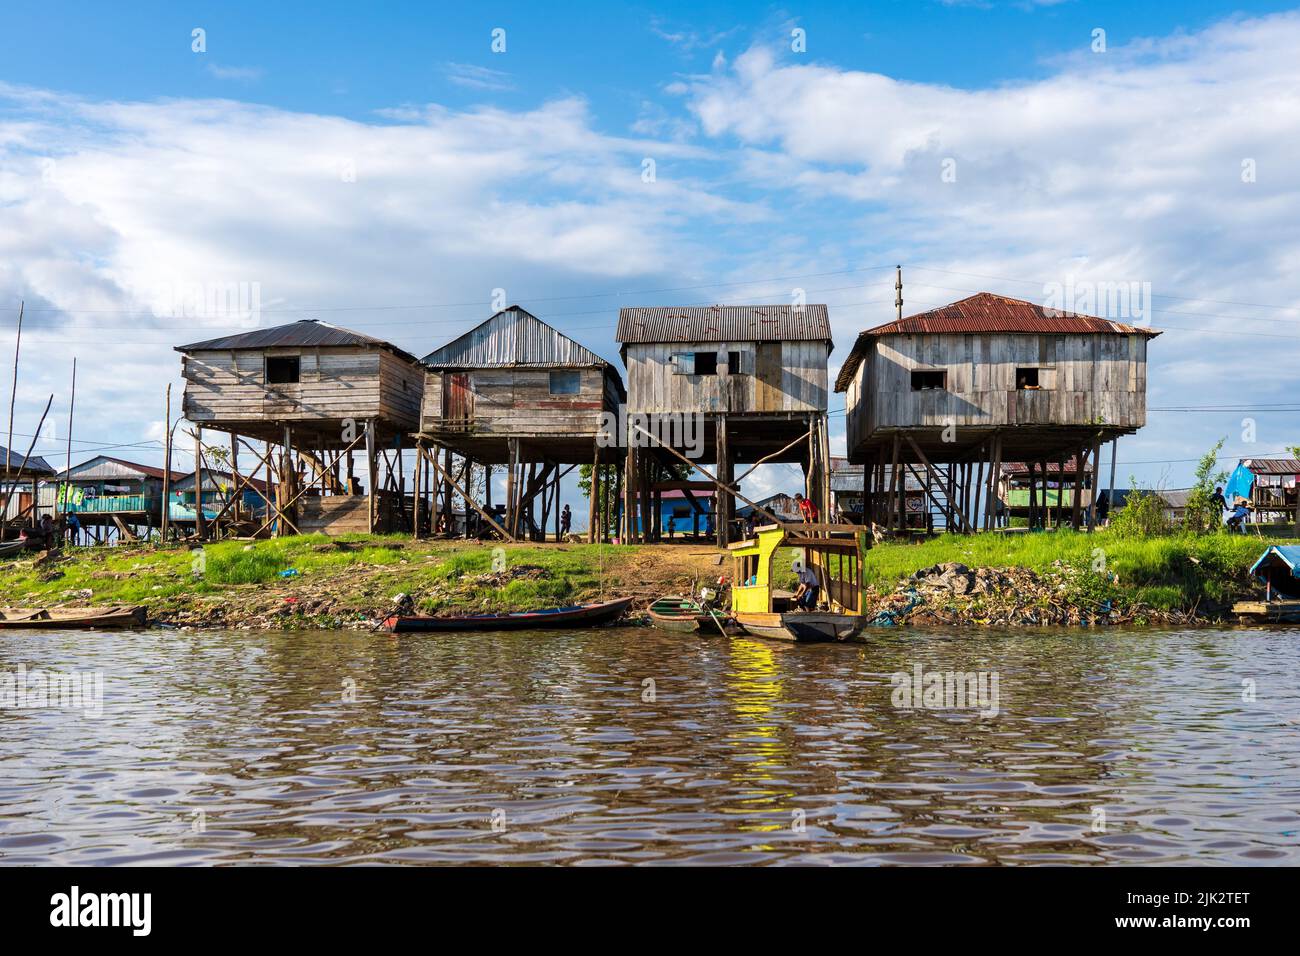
x=282 y=369
x=733 y=363
x=566 y=383
x=925 y=381
x=706 y=363
x=1026 y=378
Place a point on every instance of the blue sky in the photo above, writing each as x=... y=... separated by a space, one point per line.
x=386 y=170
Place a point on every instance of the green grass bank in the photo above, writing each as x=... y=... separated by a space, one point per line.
x=356 y=580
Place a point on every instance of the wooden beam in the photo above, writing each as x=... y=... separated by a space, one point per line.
x=433 y=460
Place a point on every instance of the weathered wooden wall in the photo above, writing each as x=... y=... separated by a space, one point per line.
x=1084 y=380
x=517 y=402
x=774 y=377
x=334 y=384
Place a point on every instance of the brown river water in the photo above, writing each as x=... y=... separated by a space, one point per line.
x=635 y=746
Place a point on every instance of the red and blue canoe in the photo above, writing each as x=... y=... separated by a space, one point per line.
x=576 y=615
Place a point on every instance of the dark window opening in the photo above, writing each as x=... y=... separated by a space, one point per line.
x=565 y=383
x=282 y=369
x=733 y=363
x=706 y=363
x=1026 y=378
x=927 y=381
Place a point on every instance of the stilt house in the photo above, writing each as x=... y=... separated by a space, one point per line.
x=315 y=395
x=985 y=380
x=514 y=392
x=754 y=377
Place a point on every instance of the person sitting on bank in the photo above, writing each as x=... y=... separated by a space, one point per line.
x=805 y=596
x=49 y=532
x=806 y=508
x=1237 y=520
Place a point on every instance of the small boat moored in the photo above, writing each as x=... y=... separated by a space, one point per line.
x=89 y=618
x=834 y=553
x=577 y=615
x=1278 y=569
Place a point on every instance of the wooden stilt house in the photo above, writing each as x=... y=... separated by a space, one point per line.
x=748 y=381
x=515 y=393
x=314 y=395
x=983 y=381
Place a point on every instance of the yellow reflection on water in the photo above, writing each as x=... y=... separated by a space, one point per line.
x=754 y=690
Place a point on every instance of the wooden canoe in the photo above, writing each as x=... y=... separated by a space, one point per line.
x=12 y=618
x=677 y=613
x=8 y=548
x=577 y=615
x=802 y=626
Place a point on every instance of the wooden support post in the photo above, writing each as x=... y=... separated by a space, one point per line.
x=167 y=466
x=1096 y=482
x=512 y=455
x=372 y=477
x=978 y=488
x=995 y=469
x=1033 y=499
x=419 y=474
x=896 y=488
x=1079 y=465
x=1110 y=488
x=722 y=511
x=234 y=472
x=593 y=507
x=200 y=528
x=432 y=459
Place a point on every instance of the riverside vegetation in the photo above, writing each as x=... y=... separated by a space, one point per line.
x=1110 y=576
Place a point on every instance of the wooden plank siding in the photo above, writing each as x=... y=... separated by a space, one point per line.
x=1084 y=380
x=774 y=377
x=517 y=402
x=334 y=383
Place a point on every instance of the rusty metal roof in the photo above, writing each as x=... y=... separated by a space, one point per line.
x=986 y=313
x=1018 y=468
x=305 y=333
x=724 y=323
x=1272 y=466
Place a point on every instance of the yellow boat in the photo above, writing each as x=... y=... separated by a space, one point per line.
x=835 y=553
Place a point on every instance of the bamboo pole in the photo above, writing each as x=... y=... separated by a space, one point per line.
x=4 y=509
x=13 y=392
x=67 y=471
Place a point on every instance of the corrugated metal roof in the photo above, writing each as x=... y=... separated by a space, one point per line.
x=305 y=333
x=36 y=465
x=514 y=336
x=1272 y=466
x=986 y=313
x=724 y=323
x=1053 y=467
x=103 y=466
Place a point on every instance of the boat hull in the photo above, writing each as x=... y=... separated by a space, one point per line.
x=581 y=615
x=803 y=627
x=27 y=619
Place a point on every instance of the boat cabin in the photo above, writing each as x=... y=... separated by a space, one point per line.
x=835 y=553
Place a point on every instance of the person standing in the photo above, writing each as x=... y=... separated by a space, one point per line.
x=807 y=509
x=566 y=519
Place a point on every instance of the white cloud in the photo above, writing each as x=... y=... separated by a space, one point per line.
x=114 y=211
x=1118 y=166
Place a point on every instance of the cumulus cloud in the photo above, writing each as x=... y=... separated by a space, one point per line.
x=130 y=227
x=1164 y=161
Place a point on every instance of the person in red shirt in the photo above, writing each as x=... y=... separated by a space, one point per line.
x=807 y=509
